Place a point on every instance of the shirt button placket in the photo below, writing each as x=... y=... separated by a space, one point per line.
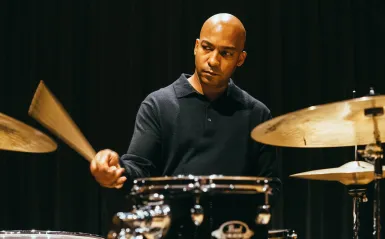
x=208 y=113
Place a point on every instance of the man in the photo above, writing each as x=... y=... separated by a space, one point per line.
x=200 y=124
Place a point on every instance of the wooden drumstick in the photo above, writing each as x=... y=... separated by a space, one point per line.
x=47 y=110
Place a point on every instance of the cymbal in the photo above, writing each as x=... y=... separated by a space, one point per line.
x=329 y=125
x=17 y=136
x=351 y=173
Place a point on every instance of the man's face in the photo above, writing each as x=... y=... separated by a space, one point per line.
x=217 y=54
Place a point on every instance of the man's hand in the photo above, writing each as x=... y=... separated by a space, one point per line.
x=106 y=169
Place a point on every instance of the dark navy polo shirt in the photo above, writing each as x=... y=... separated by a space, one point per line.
x=179 y=131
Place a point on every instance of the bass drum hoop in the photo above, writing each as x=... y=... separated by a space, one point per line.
x=48 y=234
x=282 y=234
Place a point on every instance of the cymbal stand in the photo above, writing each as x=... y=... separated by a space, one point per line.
x=359 y=195
x=373 y=153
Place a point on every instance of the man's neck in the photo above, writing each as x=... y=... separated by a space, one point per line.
x=211 y=93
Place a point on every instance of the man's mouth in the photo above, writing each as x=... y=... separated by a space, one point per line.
x=211 y=73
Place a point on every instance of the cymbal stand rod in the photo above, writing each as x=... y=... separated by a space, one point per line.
x=359 y=195
x=355 y=146
x=374 y=153
x=377 y=180
x=356 y=217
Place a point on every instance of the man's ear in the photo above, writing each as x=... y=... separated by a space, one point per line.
x=241 y=58
x=196 y=46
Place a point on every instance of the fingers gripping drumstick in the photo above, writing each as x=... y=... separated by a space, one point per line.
x=47 y=110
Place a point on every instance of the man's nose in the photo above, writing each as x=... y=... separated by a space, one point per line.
x=213 y=60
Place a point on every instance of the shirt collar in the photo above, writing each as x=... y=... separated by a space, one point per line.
x=234 y=92
x=183 y=88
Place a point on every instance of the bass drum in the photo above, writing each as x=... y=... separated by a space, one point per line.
x=282 y=234
x=36 y=234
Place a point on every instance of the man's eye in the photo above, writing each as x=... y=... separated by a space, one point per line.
x=205 y=47
x=226 y=53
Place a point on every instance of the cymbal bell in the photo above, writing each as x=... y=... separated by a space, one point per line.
x=336 y=124
x=351 y=173
x=17 y=136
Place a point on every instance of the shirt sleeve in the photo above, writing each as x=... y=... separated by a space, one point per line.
x=145 y=146
x=268 y=160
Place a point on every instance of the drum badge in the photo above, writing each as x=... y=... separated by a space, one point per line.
x=233 y=229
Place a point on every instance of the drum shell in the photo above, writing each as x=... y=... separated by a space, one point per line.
x=221 y=213
x=230 y=204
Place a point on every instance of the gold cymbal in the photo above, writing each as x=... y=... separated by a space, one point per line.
x=330 y=125
x=351 y=173
x=17 y=136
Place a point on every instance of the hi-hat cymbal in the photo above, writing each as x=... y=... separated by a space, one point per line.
x=336 y=124
x=17 y=136
x=351 y=173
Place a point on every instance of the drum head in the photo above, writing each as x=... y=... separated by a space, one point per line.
x=35 y=234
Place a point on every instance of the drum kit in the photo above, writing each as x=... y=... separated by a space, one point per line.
x=356 y=122
x=160 y=202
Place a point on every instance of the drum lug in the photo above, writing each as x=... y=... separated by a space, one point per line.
x=125 y=233
x=263 y=215
x=197 y=214
x=292 y=234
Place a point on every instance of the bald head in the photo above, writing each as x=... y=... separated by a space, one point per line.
x=227 y=24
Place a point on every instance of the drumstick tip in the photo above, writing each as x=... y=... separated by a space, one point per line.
x=35 y=98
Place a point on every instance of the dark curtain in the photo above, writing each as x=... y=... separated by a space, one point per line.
x=101 y=58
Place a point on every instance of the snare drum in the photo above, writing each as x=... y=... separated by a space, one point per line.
x=190 y=206
x=36 y=234
x=282 y=234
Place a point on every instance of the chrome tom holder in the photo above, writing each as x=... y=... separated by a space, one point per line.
x=150 y=221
